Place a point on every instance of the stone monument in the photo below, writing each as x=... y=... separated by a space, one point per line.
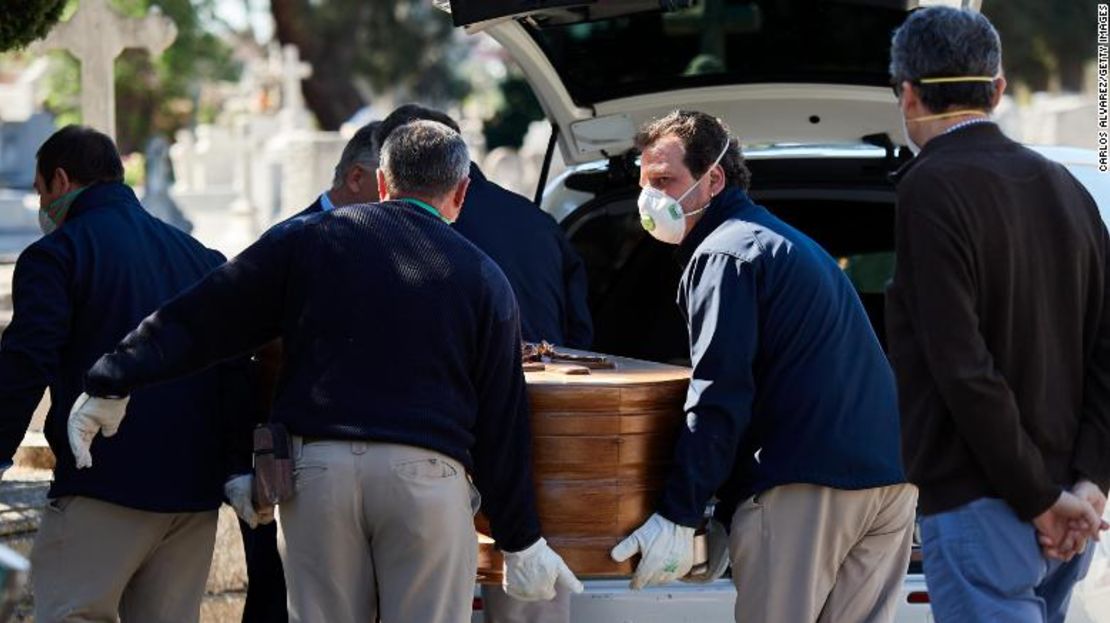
x=95 y=36
x=156 y=189
x=294 y=115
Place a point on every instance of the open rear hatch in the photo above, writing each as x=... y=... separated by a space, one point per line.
x=777 y=71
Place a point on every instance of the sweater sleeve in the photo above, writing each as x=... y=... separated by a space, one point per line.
x=236 y=308
x=720 y=296
x=240 y=414
x=502 y=450
x=940 y=301
x=1091 y=457
x=31 y=346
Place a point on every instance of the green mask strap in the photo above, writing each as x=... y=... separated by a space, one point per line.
x=59 y=208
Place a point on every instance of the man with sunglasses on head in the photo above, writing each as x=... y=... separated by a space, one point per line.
x=998 y=320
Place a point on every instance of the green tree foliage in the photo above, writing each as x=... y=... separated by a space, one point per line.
x=518 y=109
x=153 y=96
x=400 y=46
x=1045 y=40
x=23 y=21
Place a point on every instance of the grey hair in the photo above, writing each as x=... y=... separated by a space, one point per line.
x=361 y=149
x=940 y=42
x=425 y=159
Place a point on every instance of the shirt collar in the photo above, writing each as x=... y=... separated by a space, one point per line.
x=427 y=207
x=325 y=202
x=983 y=132
x=963 y=124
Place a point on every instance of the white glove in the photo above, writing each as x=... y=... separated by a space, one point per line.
x=532 y=573
x=717 y=554
x=666 y=549
x=238 y=492
x=89 y=416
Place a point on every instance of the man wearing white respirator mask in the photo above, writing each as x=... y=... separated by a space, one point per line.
x=663 y=216
x=786 y=365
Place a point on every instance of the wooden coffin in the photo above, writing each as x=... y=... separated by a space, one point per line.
x=602 y=443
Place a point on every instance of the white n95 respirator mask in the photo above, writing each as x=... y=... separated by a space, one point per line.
x=662 y=216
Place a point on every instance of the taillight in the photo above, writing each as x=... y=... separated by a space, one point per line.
x=918 y=597
x=477 y=605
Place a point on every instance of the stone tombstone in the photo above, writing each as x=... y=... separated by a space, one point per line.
x=159 y=178
x=19 y=142
x=95 y=36
x=215 y=151
x=294 y=114
x=22 y=97
x=1050 y=119
x=302 y=167
x=183 y=158
x=505 y=166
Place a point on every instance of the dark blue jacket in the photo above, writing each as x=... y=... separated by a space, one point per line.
x=547 y=276
x=313 y=208
x=395 y=328
x=785 y=363
x=76 y=293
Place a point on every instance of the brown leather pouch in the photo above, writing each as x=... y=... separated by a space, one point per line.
x=273 y=465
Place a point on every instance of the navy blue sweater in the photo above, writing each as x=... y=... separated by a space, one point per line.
x=395 y=329
x=547 y=276
x=76 y=293
x=785 y=362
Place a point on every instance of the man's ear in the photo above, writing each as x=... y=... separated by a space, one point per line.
x=355 y=178
x=911 y=103
x=60 y=182
x=999 y=88
x=717 y=178
x=460 y=193
x=383 y=190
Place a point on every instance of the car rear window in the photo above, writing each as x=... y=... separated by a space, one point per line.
x=718 y=42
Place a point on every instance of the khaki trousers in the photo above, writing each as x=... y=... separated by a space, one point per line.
x=377 y=529
x=498 y=607
x=96 y=561
x=807 y=553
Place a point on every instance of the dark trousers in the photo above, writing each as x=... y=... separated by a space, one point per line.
x=265 y=578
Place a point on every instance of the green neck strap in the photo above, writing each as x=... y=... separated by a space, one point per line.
x=428 y=207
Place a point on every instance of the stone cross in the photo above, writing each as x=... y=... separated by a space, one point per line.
x=294 y=115
x=95 y=36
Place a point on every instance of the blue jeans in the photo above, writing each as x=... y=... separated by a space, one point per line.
x=982 y=563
